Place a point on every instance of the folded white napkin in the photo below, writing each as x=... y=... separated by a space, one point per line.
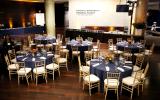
x=128 y=67
x=50 y=54
x=94 y=60
x=128 y=62
x=97 y=64
x=107 y=68
x=19 y=56
x=42 y=57
x=33 y=59
x=120 y=69
x=24 y=59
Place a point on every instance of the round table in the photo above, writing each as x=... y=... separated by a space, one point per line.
x=29 y=59
x=82 y=46
x=99 y=67
x=134 y=47
x=44 y=39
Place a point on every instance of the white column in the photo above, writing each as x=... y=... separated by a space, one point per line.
x=50 y=17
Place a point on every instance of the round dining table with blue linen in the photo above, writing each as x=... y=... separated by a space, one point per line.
x=100 y=68
x=30 y=59
x=82 y=46
x=134 y=47
x=44 y=39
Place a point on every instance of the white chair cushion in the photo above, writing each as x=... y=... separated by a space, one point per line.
x=95 y=47
x=13 y=67
x=23 y=71
x=88 y=52
x=136 y=68
x=39 y=70
x=127 y=54
x=52 y=66
x=130 y=81
x=118 y=52
x=88 y=63
x=111 y=83
x=95 y=50
x=61 y=60
x=64 y=50
x=13 y=60
x=138 y=54
x=148 y=52
x=75 y=52
x=49 y=45
x=91 y=78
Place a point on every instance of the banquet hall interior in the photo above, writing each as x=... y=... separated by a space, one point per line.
x=79 y=49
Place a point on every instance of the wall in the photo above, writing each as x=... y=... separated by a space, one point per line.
x=96 y=13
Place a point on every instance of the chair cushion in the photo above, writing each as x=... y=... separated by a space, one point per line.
x=136 y=68
x=130 y=81
x=13 y=67
x=91 y=78
x=61 y=60
x=88 y=63
x=39 y=70
x=75 y=52
x=13 y=60
x=127 y=54
x=139 y=54
x=148 y=52
x=23 y=71
x=88 y=52
x=111 y=83
x=118 y=52
x=52 y=66
x=64 y=50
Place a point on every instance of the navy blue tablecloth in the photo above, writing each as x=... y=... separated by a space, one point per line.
x=101 y=72
x=134 y=47
x=28 y=59
x=44 y=40
x=81 y=47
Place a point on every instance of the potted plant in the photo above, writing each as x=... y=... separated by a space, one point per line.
x=139 y=28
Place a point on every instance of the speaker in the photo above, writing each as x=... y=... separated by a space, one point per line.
x=122 y=8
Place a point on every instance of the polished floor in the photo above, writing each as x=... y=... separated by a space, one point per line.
x=68 y=87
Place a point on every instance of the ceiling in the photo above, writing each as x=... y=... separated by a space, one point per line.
x=57 y=1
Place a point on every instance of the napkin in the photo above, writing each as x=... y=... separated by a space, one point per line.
x=128 y=62
x=24 y=59
x=128 y=67
x=120 y=69
x=42 y=57
x=50 y=54
x=94 y=60
x=19 y=56
x=33 y=59
x=107 y=68
x=96 y=64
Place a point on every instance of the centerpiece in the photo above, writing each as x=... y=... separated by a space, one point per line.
x=109 y=57
x=33 y=51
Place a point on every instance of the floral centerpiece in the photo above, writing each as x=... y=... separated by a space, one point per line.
x=109 y=57
x=33 y=51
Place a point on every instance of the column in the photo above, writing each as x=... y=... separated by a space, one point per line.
x=141 y=14
x=50 y=17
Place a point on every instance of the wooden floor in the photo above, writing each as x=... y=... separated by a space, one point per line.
x=68 y=87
